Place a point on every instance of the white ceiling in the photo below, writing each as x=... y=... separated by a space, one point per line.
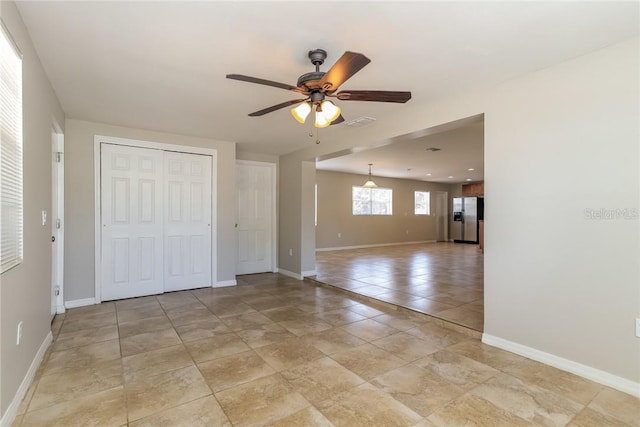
x=461 y=149
x=162 y=65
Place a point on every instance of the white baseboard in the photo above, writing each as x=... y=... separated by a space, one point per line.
x=593 y=374
x=378 y=245
x=290 y=274
x=80 y=302
x=225 y=284
x=12 y=410
x=308 y=273
x=60 y=309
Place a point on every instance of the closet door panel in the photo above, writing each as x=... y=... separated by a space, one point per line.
x=187 y=225
x=131 y=216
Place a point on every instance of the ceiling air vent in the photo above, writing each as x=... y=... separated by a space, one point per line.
x=433 y=149
x=360 y=121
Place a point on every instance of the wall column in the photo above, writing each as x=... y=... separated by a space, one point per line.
x=296 y=237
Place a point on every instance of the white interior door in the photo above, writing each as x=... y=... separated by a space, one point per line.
x=132 y=232
x=187 y=221
x=56 y=221
x=255 y=217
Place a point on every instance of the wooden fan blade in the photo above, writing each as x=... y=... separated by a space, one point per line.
x=256 y=80
x=276 y=107
x=374 y=95
x=337 y=121
x=348 y=64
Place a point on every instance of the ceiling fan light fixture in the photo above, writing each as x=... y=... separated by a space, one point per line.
x=330 y=110
x=301 y=112
x=326 y=113
x=321 y=120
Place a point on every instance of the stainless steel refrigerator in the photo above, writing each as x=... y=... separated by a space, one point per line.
x=467 y=211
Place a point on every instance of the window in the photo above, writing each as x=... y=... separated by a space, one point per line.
x=422 y=205
x=10 y=154
x=372 y=201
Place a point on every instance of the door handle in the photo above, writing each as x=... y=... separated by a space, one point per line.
x=53 y=238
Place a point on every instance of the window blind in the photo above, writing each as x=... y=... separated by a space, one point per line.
x=11 y=223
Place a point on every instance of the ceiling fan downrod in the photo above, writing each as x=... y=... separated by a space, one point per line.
x=311 y=80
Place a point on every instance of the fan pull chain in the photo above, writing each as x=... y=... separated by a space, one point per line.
x=317 y=135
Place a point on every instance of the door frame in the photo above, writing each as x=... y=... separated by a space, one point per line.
x=98 y=140
x=57 y=214
x=274 y=199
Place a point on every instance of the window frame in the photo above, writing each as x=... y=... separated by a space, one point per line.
x=428 y=203
x=371 y=202
x=11 y=153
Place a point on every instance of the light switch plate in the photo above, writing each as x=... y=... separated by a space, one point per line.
x=44 y=217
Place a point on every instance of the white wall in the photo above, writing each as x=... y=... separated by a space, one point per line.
x=308 y=203
x=290 y=216
x=335 y=212
x=561 y=141
x=256 y=157
x=79 y=201
x=557 y=142
x=25 y=291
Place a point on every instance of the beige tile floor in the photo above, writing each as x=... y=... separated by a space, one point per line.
x=280 y=352
x=444 y=280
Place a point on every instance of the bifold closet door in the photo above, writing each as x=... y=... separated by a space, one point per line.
x=132 y=231
x=187 y=221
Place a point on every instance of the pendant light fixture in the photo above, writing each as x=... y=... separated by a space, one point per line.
x=370 y=183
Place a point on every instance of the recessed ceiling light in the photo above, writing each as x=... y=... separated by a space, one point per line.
x=471 y=169
x=432 y=149
x=428 y=174
x=469 y=179
x=450 y=176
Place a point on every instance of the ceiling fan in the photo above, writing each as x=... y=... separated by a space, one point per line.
x=318 y=85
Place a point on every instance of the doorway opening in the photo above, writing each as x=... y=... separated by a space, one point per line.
x=405 y=258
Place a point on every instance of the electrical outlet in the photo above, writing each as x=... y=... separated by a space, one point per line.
x=44 y=217
x=339 y=235
x=19 y=333
x=638 y=328
x=407 y=231
x=290 y=252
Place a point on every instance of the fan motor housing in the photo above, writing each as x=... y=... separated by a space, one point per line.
x=311 y=80
x=316 y=97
